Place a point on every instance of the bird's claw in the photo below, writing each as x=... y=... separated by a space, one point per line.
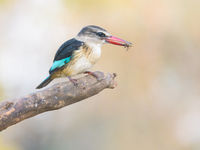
x=74 y=81
x=93 y=74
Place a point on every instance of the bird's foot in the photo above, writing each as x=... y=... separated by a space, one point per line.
x=74 y=81
x=93 y=74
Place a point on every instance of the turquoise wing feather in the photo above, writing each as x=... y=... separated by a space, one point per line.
x=59 y=63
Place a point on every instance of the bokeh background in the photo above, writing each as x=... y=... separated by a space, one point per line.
x=156 y=105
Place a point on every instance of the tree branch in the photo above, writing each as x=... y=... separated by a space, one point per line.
x=55 y=97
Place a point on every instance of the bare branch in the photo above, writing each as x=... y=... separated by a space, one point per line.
x=55 y=97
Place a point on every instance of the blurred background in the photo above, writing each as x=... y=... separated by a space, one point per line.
x=156 y=105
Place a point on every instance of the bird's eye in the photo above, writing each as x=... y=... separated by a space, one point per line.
x=101 y=34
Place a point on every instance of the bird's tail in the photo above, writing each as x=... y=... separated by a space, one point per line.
x=45 y=82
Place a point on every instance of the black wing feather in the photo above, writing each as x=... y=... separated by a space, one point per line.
x=67 y=49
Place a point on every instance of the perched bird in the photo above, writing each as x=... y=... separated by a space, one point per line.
x=79 y=54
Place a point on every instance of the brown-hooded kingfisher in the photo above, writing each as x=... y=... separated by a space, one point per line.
x=79 y=54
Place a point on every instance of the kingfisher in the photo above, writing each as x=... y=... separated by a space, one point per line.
x=79 y=54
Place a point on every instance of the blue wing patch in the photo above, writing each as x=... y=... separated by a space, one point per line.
x=59 y=63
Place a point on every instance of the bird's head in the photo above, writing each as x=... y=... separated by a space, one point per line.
x=94 y=35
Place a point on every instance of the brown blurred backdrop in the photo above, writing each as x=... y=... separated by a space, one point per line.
x=156 y=105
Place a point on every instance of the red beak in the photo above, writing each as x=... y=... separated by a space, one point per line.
x=118 y=41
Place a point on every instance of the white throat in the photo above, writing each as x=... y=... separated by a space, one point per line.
x=96 y=48
x=93 y=44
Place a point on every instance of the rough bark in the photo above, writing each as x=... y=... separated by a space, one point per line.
x=52 y=98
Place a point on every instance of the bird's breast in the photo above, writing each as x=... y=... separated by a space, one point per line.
x=83 y=60
x=92 y=54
